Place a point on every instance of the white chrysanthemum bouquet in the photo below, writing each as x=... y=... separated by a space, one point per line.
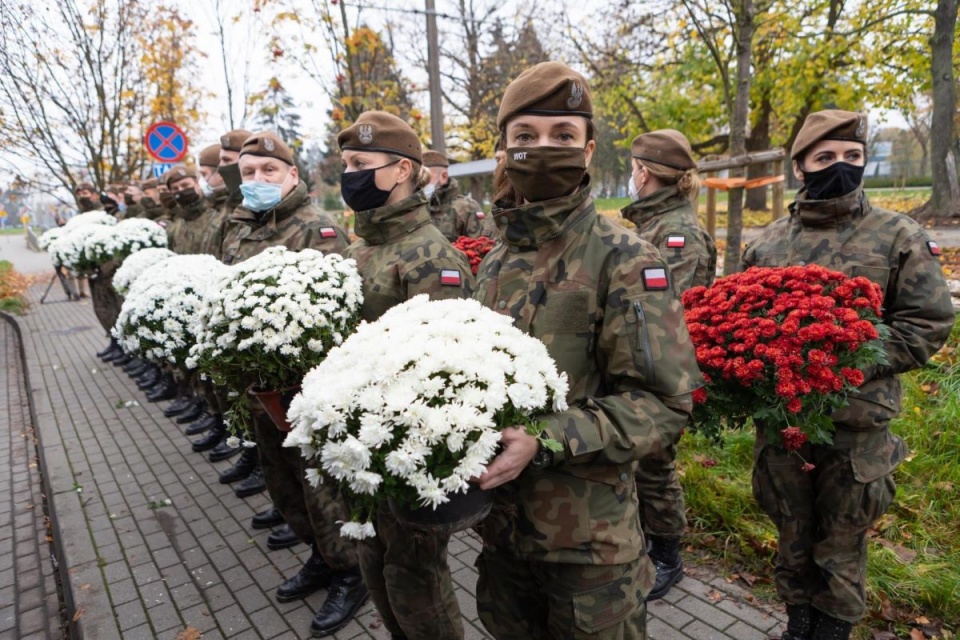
x=274 y=317
x=136 y=264
x=47 y=237
x=119 y=241
x=66 y=245
x=411 y=406
x=159 y=317
x=90 y=217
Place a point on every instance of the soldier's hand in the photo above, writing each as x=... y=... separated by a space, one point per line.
x=518 y=450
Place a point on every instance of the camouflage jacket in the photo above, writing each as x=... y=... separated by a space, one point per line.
x=222 y=207
x=600 y=299
x=454 y=214
x=186 y=233
x=151 y=209
x=400 y=255
x=846 y=234
x=295 y=223
x=134 y=211
x=666 y=219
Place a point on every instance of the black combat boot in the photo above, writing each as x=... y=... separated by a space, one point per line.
x=179 y=405
x=267 y=518
x=204 y=422
x=347 y=594
x=149 y=378
x=315 y=574
x=212 y=439
x=282 y=538
x=799 y=622
x=253 y=485
x=107 y=349
x=192 y=411
x=240 y=470
x=133 y=364
x=665 y=553
x=165 y=389
x=122 y=361
x=223 y=450
x=114 y=354
x=829 y=628
x=142 y=367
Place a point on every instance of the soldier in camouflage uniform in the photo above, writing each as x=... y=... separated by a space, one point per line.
x=228 y=171
x=454 y=214
x=400 y=255
x=186 y=233
x=823 y=516
x=150 y=200
x=563 y=552
x=665 y=187
x=277 y=211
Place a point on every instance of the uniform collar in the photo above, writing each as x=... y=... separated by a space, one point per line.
x=659 y=202
x=192 y=211
x=384 y=224
x=443 y=196
x=829 y=213
x=293 y=201
x=534 y=223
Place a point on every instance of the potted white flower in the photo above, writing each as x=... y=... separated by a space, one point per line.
x=411 y=407
x=136 y=264
x=158 y=319
x=114 y=243
x=272 y=319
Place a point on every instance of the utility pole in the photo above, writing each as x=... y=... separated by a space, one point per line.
x=433 y=61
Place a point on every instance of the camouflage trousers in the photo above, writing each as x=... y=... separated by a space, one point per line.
x=409 y=580
x=822 y=516
x=662 y=509
x=311 y=512
x=106 y=301
x=518 y=599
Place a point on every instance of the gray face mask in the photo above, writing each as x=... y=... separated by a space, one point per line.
x=430 y=189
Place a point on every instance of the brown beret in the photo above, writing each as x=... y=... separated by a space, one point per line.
x=178 y=173
x=546 y=89
x=268 y=145
x=233 y=140
x=149 y=184
x=384 y=132
x=210 y=156
x=433 y=158
x=831 y=124
x=85 y=185
x=668 y=147
x=115 y=188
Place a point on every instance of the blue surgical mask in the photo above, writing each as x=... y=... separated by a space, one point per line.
x=430 y=189
x=261 y=196
x=205 y=187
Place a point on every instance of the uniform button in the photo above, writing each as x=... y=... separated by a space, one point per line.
x=624 y=477
x=502 y=304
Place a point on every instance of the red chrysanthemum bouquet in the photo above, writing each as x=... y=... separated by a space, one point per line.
x=474 y=249
x=784 y=346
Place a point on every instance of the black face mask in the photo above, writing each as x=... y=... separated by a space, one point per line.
x=231 y=177
x=837 y=180
x=186 y=197
x=360 y=191
x=545 y=173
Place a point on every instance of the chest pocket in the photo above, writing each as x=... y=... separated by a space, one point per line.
x=875 y=274
x=564 y=312
x=562 y=323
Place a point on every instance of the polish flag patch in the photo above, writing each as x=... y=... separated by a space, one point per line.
x=933 y=247
x=328 y=232
x=655 y=279
x=450 y=277
x=481 y=215
x=162 y=223
x=676 y=242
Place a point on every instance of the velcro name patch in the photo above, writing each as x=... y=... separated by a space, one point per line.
x=655 y=279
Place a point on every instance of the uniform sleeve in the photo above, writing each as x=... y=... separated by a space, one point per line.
x=649 y=371
x=443 y=277
x=470 y=225
x=684 y=252
x=917 y=308
x=327 y=236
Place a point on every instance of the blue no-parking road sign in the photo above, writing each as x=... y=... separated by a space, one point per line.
x=166 y=142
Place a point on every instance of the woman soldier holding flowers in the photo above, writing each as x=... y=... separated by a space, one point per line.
x=823 y=515
x=563 y=554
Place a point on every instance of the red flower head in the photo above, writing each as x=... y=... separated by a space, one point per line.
x=793 y=438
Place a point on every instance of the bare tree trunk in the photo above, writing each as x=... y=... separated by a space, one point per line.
x=738 y=130
x=945 y=201
x=759 y=140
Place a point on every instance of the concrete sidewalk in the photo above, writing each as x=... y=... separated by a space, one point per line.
x=150 y=545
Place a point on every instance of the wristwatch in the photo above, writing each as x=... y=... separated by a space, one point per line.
x=542 y=459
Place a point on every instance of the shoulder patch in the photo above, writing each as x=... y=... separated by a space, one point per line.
x=162 y=223
x=450 y=277
x=655 y=279
x=933 y=247
x=676 y=241
x=481 y=215
x=328 y=232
